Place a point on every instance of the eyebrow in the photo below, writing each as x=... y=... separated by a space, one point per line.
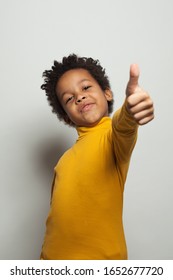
x=81 y=81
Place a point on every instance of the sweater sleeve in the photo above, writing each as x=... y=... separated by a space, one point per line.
x=124 y=136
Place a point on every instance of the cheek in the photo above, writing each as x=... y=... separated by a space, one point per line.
x=103 y=100
x=71 y=112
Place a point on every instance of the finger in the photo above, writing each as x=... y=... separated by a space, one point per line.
x=146 y=120
x=143 y=114
x=147 y=104
x=133 y=80
x=136 y=98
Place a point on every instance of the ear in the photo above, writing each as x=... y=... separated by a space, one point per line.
x=108 y=94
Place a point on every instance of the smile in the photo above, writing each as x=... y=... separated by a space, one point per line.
x=87 y=107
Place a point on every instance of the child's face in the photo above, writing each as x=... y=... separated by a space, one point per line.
x=82 y=98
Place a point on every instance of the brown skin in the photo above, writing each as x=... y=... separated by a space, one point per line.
x=138 y=101
x=85 y=103
x=82 y=98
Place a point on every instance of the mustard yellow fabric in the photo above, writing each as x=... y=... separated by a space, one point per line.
x=85 y=218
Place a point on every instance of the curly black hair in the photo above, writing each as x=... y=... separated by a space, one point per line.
x=51 y=78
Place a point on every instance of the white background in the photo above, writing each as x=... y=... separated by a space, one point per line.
x=33 y=34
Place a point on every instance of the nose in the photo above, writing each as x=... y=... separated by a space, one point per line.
x=80 y=98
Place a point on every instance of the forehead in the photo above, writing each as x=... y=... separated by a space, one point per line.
x=73 y=76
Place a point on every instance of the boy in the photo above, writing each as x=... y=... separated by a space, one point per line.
x=85 y=218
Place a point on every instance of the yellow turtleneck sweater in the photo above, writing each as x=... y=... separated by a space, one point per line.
x=85 y=218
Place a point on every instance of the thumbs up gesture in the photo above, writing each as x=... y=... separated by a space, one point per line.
x=138 y=102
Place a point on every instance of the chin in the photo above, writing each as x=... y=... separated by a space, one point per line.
x=92 y=122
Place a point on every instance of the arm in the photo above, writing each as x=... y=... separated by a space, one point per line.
x=124 y=134
x=137 y=110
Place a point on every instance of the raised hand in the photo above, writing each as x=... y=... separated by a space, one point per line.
x=138 y=101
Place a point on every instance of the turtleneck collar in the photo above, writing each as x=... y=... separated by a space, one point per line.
x=102 y=124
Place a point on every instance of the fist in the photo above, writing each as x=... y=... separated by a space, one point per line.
x=138 y=101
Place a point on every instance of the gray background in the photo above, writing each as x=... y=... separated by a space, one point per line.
x=118 y=33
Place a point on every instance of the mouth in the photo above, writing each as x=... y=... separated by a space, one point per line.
x=87 y=107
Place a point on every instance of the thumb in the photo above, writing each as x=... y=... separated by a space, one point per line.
x=133 y=80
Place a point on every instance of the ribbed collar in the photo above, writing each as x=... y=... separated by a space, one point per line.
x=102 y=124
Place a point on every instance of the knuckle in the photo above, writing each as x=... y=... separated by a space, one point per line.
x=150 y=102
x=129 y=102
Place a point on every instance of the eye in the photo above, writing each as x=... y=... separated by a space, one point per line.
x=69 y=99
x=86 y=87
